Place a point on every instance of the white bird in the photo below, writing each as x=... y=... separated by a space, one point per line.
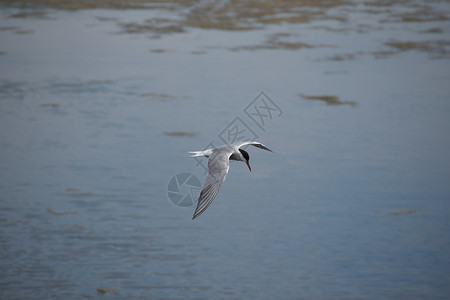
x=218 y=165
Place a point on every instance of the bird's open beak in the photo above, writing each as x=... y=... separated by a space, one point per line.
x=248 y=165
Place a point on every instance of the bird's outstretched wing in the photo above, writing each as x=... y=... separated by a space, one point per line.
x=218 y=165
x=256 y=144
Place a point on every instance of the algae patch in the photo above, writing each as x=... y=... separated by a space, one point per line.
x=158 y=50
x=403 y=212
x=181 y=134
x=30 y=14
x=156 y=26
x=329 y=100
x=104 y=291
x=436 y=49
x=161 y=97
x=277 y=41
x=61 y=213
x=397 y=212
x=52 y=105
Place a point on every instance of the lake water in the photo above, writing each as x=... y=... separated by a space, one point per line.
x=100 y=105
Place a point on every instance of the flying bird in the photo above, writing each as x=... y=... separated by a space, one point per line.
x=218 y=165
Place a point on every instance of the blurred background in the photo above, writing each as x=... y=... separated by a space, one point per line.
x=100 y=101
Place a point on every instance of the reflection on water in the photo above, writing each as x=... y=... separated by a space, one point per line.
x=99 y=107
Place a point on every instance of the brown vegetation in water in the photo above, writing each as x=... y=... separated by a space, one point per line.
x=234 y=15
x=438 y=49
x=329 y=100
x=181 y=133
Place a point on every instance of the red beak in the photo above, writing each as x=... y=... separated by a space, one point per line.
x=248 y=165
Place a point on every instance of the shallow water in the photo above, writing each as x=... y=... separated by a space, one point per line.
x=99 y=107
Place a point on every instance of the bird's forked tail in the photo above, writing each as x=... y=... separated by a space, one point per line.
x=206 y=153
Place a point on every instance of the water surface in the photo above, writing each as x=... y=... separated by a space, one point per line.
x=100 y=105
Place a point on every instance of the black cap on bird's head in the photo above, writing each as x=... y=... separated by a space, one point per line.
x=246 y=156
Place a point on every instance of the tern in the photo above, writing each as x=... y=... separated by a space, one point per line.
x=218 y=165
